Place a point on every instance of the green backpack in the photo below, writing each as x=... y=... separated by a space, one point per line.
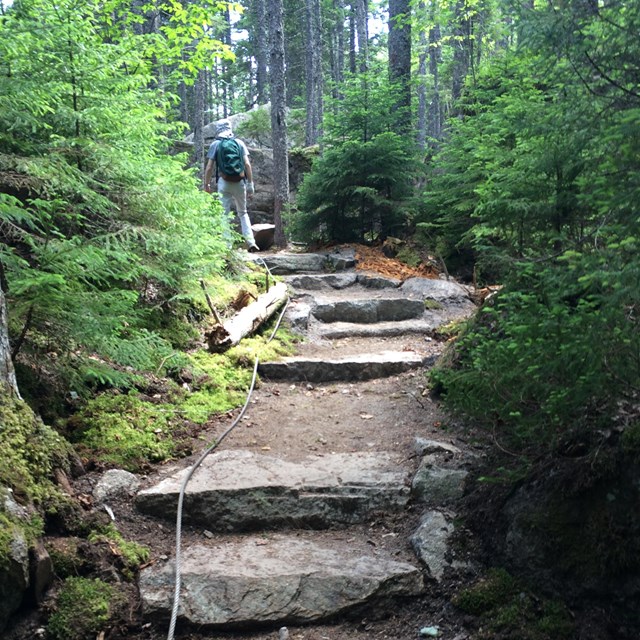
x=230 y=160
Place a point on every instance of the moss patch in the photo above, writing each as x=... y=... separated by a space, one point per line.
x=130 y=554
x=30 y=453
x=124 y=430
x=508 y=608
x=84 y=608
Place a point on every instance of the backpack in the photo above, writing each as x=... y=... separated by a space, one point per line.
x=230 y=160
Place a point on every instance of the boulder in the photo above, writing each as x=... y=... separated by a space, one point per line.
x=14 y=571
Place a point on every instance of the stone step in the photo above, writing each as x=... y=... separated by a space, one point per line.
x=365 y=366
x=390 y=329
x=368 y=311
x=328 y=281
x=288 y=263
x=246 y=491
x=274 y=580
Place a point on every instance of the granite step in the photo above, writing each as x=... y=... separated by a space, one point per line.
x=242 y=490
x=277 y=579
x=364 y=366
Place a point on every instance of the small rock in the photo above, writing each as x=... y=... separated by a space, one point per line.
x=430 y=632
x=115 y=482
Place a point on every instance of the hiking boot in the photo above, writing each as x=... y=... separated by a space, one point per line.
x=254 y=248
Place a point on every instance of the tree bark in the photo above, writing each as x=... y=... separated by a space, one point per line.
x=229 y=334
x=278 y=118
x=400 y=60
x=434 y=126
x=461 y=43
x=362 y=29
x=261 y=50
x=352 y=39
x=7 y=373
x=313 y=63
x=198 y=125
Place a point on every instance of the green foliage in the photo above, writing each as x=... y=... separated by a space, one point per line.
x=84 y=607
x=257 y=126
x=555 y=351
x=508 y=608
x=101 y=226
x=356 y=191
x=538 y=185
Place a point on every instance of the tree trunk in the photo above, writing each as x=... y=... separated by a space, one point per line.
x=7 y=374
x=313 y=63
x=278 y=118
x=461 y=43
x=423 y=55
x=198 y=124
x=400 y=60
x=227 y=72
x=362 y=21
x=352 y=39
x=261 y=50
x=434 y=126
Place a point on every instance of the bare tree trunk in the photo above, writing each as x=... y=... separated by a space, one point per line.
x=352 y=39
x=198 y=124
x=423 y=54
x=400 y=60
x=461 y=43
x=434 y=127
x=313 y=60
x=227 y=89
x=261 y=50
x=7 y=373
x=278 y=118
x=362 y=21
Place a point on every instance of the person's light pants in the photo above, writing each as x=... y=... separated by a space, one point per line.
x=235 y=193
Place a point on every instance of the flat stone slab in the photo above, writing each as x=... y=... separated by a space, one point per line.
x=365 y=366
x=247 y=491
x=289 y=263
x=337 y=330
x=444 y=291
x=376 y=281
x=316 y=282
x=275 y=580
x=368 y=311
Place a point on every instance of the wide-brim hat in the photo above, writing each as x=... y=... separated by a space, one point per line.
x=223 y=129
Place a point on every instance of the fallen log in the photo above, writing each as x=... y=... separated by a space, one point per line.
x=247 y=320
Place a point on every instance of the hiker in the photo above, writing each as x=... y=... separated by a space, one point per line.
x=233 y=176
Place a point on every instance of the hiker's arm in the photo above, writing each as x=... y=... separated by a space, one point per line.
x=248 y=172
x=207 y=175
x=247 y=169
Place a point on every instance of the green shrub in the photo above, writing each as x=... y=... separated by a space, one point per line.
x=356 y=191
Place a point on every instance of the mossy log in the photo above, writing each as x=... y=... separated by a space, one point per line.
x=244 y=323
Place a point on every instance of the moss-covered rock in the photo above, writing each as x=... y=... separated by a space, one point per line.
x=31 y=452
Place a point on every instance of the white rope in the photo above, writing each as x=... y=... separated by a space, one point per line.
x=183 y=488
x=176 y=591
